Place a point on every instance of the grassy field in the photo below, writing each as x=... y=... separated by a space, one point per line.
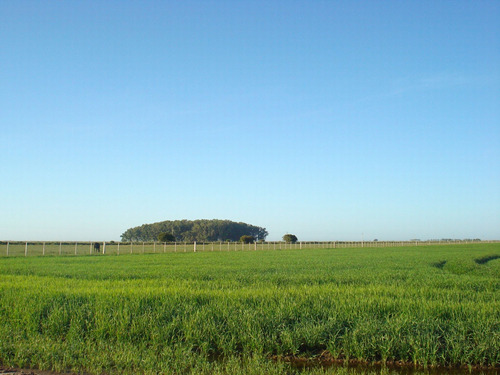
x=240 y=312
x=37 y=248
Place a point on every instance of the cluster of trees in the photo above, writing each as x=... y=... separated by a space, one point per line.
x=194 y=230
x=453 y=240
x=290 y=238
x=247 y=239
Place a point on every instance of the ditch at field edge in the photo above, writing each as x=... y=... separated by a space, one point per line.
x=326 y=362
x=327 y=365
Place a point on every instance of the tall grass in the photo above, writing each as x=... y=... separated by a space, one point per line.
x=231 y=312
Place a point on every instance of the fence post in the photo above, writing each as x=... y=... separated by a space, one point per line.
x=118 y=250
x=104 y=248
x=154 y=247
x=194 y=247
x=43 y=249
x=26 y=250
x=130 y=246
x=60 y=248
x=76 y=246
x=184 y=246
x=143 y=247
x=90 y=248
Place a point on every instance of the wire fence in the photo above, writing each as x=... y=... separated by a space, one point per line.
x=60 y=248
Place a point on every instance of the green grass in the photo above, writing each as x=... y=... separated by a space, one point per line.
x=232 y=312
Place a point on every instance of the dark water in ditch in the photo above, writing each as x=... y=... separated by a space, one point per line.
x=307 y=366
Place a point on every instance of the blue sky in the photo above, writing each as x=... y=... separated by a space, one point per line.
x=331 y=120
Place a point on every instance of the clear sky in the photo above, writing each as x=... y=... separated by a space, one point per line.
x=331 y=120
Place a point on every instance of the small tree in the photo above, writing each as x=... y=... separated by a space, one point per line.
x=247 y=239
x=166 y=237
x=290 y=238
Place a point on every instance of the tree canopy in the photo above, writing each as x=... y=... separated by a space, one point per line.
x=195 y=230
x=166 y=237
x=290 y=238
x=247 y=239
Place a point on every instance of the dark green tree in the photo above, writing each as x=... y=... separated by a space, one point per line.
x=195 y=230
x=290 y=238
x=166 y=237
x=247 y=239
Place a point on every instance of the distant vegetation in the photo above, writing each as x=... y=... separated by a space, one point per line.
x=290 y=238
x=247 y=239
x=197 y=230
x=166 y=237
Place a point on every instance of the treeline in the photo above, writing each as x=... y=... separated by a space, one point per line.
x=453 y=240
x=195 y=230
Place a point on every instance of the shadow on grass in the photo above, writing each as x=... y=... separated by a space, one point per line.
x=439 y=265
x=486 y=259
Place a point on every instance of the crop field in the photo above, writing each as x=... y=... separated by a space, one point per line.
x=253 y=312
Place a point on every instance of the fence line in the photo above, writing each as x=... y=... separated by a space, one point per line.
x=60 y=248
